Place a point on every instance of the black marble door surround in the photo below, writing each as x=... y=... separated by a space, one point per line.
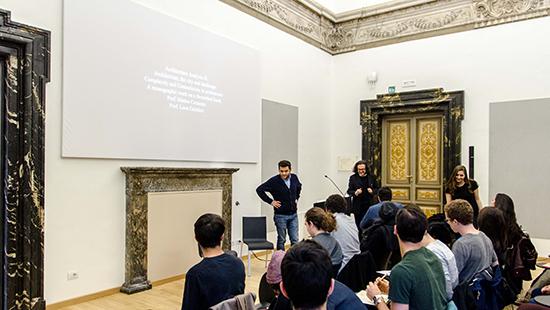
x=25 y=58
x=450 y=104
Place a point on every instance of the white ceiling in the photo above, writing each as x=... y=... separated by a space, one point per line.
x=339 y=6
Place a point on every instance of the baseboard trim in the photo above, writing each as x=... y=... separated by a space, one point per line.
x=82 y=299
x=168 y=280
x=112 y=291
x=105 y=293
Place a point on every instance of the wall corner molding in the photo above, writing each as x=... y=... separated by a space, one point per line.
x=388 y=23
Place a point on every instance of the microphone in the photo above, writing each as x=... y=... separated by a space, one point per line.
x=338 y=188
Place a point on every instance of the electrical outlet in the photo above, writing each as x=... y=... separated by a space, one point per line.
x=72 y=275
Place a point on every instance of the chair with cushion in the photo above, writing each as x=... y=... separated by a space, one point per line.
x=255 y=236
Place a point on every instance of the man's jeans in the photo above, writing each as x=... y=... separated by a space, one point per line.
x=283 y=223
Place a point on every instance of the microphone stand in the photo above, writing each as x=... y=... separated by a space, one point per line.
x=338 y=188
x=347 y=198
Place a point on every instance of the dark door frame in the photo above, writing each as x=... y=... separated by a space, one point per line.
x=25 y=53
x=450 y=104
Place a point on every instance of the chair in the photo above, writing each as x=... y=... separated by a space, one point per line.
x=358 y=272
x=265 y=293
x=240 y=302
x=255 y=236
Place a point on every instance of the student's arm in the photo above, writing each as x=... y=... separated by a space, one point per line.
x=453 y=272
x=262 y=189
x=448 y=197
x=478 y=200
x=372 y=290
x=459 y=252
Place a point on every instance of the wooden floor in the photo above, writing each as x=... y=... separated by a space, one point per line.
x=163 y=297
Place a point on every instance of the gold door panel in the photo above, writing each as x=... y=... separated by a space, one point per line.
x=431 y=195
x=412 y=160
x=400 y=194
x=428 y=146
x=398 y=145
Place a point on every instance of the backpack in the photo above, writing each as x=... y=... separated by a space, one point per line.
x=523 y=258
x=440 y=230
x=487 y=290
x=390 y=241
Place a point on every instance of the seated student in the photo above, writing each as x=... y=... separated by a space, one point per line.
x=384 y=195
x=346 y=230
x=532 y=305
x=491 y=222
x=514 y=234
x=380 y=240
x=219 y=276
x=307 y=280
x=274 y=279
x=473 y=250
x=417 y=282
x=319 y=224
x=447 y=259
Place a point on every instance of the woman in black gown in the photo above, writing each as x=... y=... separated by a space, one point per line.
x=362 y=188
x=459 y=186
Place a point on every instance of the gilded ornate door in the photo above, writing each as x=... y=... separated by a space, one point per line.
x=412 y=159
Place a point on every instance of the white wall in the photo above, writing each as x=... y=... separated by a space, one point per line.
x=85 y=202
x=501 y=63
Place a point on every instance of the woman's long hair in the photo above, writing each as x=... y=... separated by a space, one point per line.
x=491 y=221
x=321 y=219
x=451 y=182
x=505 y=204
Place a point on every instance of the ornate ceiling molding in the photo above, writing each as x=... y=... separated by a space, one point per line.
x=389 y=23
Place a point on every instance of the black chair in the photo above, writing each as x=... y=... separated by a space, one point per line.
x=255 y=236
x=358 y=272
x=265 y=293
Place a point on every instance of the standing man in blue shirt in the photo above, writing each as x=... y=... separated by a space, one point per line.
x=285 y=191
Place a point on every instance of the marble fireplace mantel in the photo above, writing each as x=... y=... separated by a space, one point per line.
x=142 y=180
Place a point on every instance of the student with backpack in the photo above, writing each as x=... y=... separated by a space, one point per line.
x=521 y=256
x=380 y=240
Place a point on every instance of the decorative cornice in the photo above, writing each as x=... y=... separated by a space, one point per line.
x=389 y=23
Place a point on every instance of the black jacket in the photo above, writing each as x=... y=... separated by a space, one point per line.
x=280 y=192
x=363 y=201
